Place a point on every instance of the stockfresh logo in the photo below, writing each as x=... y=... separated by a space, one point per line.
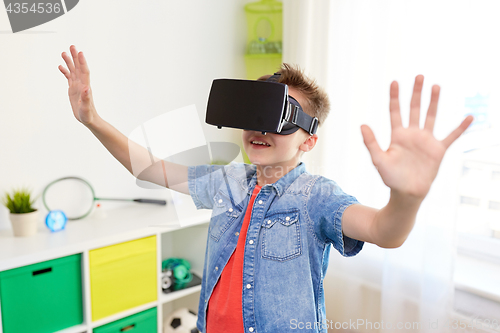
x=28 y=14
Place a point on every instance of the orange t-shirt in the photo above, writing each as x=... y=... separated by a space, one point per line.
x=225 y=313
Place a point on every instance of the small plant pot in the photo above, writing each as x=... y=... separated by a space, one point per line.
x=24 y=225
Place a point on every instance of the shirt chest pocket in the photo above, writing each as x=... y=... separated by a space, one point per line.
x=223 y=215
x=281 y=235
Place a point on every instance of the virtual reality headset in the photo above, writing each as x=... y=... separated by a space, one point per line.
x=262 y=106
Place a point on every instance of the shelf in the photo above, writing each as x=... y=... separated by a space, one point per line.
x=74 y=329
x=123 y=314
x=263 y=56
x=122 y=224
x=165 y=298
x=181 y=231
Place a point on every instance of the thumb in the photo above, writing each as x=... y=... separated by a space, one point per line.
x=371 y=143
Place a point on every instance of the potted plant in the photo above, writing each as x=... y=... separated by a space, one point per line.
x=23 y=216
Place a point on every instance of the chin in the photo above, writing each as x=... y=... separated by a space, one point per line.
x=262 y=157
x=258 y=160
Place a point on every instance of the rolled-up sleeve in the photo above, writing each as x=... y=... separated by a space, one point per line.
x=203 y=183
x=325 y=206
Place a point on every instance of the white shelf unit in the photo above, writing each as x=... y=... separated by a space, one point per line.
x=185 y=239
x=186 y=243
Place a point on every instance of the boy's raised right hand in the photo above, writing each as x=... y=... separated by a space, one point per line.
x=80 y=94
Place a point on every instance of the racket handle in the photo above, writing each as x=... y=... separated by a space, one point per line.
x=151 y=201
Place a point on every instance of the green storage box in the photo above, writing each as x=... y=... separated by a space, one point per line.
x=142 y=322
x=42 y=298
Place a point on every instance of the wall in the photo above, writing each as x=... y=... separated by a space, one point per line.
x=146 y=58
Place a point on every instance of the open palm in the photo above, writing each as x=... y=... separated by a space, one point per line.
x=410 y=164
x=80 y=95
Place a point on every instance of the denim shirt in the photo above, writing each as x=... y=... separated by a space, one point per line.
x=292 y=225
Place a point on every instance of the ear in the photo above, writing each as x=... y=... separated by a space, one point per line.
x=309 y=143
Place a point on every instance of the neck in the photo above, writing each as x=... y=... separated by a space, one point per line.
x=269 y=174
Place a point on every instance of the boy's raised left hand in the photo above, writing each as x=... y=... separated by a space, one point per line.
x=411 y=163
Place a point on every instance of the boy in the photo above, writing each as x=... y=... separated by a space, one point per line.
x=272 y=223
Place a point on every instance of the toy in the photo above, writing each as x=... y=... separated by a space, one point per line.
x=176 y=274
x=76 y=197
x=181 y=321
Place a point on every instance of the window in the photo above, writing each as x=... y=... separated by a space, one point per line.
x=478 y=211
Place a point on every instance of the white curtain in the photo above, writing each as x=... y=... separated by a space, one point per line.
x=356 y=49
x=305 y=42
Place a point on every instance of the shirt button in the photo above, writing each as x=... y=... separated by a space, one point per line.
x=230 y=210
x=236 y=233
x=260 y=203
x=250 y=329
x=268 y=221
x=216 y=268
x=220 y=200
x=287 y=218
x=250 y=241
x=249 y=286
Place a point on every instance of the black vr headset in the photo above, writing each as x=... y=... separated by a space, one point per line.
x=263 y=106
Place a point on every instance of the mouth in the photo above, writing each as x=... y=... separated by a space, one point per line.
x=259 y=143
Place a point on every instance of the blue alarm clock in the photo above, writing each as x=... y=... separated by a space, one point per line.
x=56 y=220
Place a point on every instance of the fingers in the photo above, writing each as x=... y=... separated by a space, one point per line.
x=432 y=111
x=77 y=65
x=83 y=64
x=68 y=62
x=457 y=132
x=394 y=106
x=65 y=72
x=74 y=54
x=71 y=68
x=371 y=144
x=415 y=101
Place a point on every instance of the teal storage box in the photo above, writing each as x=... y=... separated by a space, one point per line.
x=42 y=298
x=142 y=322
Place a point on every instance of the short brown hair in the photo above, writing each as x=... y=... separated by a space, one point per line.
x=318 y=104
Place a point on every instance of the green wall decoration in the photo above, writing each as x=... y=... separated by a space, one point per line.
x=264 y=38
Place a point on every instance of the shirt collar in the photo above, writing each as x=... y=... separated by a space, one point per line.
x=282 y=184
